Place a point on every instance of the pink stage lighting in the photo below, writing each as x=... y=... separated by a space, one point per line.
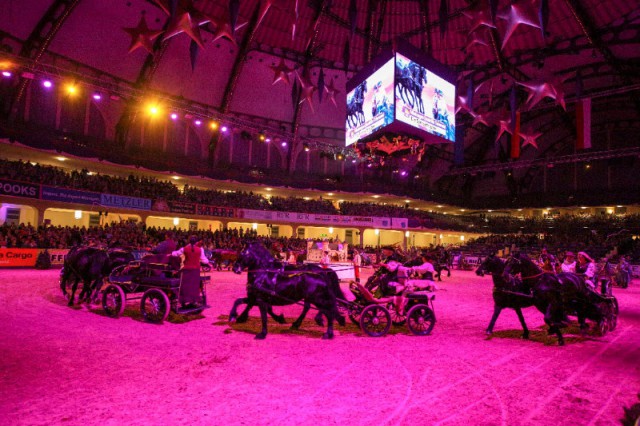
x=198 y=122
x=224 y=129
x=47 y=84
x=97 y=96
x=174 y=116
x=7 y=73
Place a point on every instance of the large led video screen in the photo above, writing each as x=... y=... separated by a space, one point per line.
x=424 y=100
x=370 y=106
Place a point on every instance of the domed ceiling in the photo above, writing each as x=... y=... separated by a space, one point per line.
x=285 y=67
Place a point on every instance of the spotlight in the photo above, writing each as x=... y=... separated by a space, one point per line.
x=153 y=109
x=7 y=73
x=213 y=125
x=197 y=122
x=339 y=156
x=284 y=144
x=224 y=129
x=261 y=136
x=72 y=89
x=403 y=173
x=353 y=161
x=267 y=140
x=174 y=116
x=47 y=84
x=97 y=96
x=306 y=147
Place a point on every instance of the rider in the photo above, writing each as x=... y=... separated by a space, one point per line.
x=547 y=261
x=190 y=281
x=586 y=267
x=325 y=260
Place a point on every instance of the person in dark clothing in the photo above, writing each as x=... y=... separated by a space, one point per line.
x=167 y=246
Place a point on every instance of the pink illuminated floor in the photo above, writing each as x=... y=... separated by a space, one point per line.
x=75 y=366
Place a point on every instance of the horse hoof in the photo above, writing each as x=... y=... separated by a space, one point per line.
x=241 y=319
x=561 y=343
x=232 y=320
x=280 y=319
x=525 y=336
x=488 y=332
x=261 y=336
x=327 y=336
x=294 y=326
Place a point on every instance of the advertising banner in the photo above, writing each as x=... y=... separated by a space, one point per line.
x=399 y=223
x=124 y=202
x=204 y=210
x=19 y=189
x=57 y=256
x=182 y=208
x=53 y=193
x=318 y=219
x=11 y=258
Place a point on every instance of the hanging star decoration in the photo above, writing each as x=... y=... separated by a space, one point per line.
x=142 y=36
x=530 y=139
x=480 y=16
x=223 y=29
x=477 y=37
x=504 y=124
x=483 y=118
x=332 y=92
x=463 y=103
x=265 y=5
x=540 y=89
x=307 y=89
x=281 y=72
x=187 y=19
x=520 y=12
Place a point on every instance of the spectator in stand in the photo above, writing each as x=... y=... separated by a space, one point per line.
x=569 y=263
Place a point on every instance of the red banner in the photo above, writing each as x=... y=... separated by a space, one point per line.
x=12 y=258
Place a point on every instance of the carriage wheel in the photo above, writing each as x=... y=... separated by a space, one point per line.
x=375 y=320
x=420 y=320
x=155 y=305
x=603 y=327
x=113 y=300
x=397 y=318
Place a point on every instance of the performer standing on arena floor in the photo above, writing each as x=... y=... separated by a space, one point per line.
x=325 y=260
x=190 y=280
x=357 y=262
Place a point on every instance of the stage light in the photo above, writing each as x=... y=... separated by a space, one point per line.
x=306 y=147
x=77 y=214
x=376 y=196
x=174 y=116
x=269 y=189
x=197 y=122
x=224 y=129
x=403 y=173
x=339 y=156
x=353 y=161
x=47 y=84
x=376 y=231
x=176 y=221
x=254 y=226
x=153 y=110
x=175 y=177
x=97 y=96
x=7 y=73
x=330 y=194
x=213 y=125
x=61 y=158
x=284 y=144
x=306 y=198
x=406 y=234
x=331 y=230
x=261 y=137
x=71 y=89
x=267 y=140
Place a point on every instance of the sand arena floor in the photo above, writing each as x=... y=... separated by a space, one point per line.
x=75 y=366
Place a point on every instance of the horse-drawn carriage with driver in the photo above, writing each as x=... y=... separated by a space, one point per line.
x=155 y=280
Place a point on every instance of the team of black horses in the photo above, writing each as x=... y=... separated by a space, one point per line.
x=520 y=283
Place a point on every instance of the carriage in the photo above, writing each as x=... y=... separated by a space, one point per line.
x=156 y=281
x=375 y=315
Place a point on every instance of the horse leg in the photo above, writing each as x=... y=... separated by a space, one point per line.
x=448 y=271
x=296 y=324
x=496 y=313
x=554 y=327
x=329 y=333
x=233 y=315
x=263 y=316
x=73 y=291
x=277 y=318
x=525 y=330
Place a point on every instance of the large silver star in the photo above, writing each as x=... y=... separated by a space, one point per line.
x=187 y=19
x=223 y=28
x=540 y=89
x=520 y=12
x=332 y=92
x=480 y=15
x=530 y=139
x=307 y=89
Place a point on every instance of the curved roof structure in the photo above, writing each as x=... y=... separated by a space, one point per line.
x=201 y=69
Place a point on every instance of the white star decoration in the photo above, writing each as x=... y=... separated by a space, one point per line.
x=520 y=12
x=540 y=89
x=307 y=89
x=530 y=139
x=480 y=15
x=281 y=72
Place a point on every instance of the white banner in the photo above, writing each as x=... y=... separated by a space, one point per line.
x=321 y=219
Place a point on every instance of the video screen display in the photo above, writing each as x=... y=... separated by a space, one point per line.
x=424 y=100
x=370 y=105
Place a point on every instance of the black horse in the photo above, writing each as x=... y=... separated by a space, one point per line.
x=419 y=74
x=355 y=112
x=90 y=265
x=508 y=292
x=559 y=295
x=270 y=284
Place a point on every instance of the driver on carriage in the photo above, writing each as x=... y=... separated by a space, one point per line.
x=190 y=279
